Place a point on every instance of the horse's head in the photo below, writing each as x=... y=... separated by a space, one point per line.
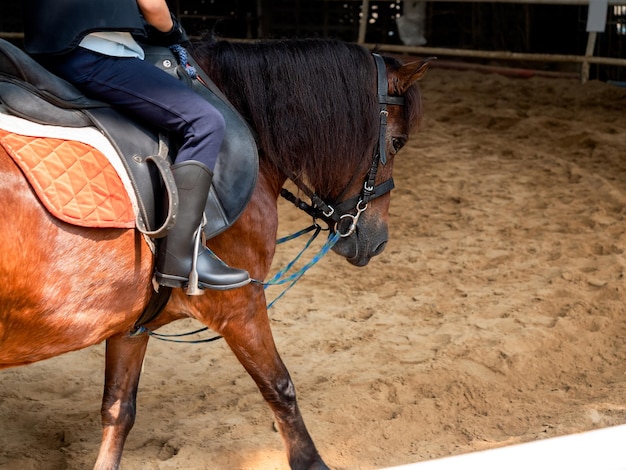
x=362 y=220
x=329 y=118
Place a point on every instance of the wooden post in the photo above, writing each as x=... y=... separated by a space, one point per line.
x=591 y=44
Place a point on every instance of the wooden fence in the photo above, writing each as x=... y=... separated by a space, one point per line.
x=585 y=60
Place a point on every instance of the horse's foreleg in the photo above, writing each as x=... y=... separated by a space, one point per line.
x=252 y=342
x=124 y=357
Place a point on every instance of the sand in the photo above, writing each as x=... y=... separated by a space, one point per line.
x=495 y=316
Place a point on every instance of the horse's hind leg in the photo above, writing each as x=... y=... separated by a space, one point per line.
x=124 y=357
x=251 y=340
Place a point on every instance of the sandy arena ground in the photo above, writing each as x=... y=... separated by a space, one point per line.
x=496 y=315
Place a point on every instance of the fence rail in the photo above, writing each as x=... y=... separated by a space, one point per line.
x=584 y=60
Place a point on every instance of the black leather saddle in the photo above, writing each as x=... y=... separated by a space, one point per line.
x=31 y=92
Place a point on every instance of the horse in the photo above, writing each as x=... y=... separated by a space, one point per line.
x=321 y=121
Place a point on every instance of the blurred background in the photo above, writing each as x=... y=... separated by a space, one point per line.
x=554 y=27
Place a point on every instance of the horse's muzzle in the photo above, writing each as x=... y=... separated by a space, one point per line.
x=365 y=243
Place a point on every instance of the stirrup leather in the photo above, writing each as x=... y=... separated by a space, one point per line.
x=193 y=288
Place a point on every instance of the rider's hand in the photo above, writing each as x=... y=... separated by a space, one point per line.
x=176 y=35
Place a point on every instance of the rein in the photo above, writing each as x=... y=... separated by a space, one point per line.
x=336 y=213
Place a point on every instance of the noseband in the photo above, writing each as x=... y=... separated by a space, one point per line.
x=335 y=213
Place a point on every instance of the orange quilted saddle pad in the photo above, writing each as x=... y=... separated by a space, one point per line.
x=73 y=180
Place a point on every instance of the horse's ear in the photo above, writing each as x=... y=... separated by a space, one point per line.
x=411 y=72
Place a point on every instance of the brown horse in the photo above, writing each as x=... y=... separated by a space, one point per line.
x=318 y=114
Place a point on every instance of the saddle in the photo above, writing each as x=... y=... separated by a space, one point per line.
x=29 y=91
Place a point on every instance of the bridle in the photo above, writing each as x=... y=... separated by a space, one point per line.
x=336 y=213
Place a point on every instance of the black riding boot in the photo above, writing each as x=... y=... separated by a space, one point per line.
x=176 y=251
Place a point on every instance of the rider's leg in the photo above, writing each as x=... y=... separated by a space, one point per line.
x=151 y=95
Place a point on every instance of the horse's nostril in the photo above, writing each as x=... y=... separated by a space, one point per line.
x=380 y=248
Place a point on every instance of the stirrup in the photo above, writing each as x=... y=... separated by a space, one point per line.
x=192 y=287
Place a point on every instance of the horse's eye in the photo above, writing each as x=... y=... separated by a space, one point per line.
x=397 y=143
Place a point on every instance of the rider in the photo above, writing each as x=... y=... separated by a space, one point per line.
x=91 y=44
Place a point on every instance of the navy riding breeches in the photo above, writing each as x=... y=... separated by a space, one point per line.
x=149 y=94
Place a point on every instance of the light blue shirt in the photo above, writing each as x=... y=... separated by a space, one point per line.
x=113 y=43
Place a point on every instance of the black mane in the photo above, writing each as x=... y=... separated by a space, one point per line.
x=311 y=101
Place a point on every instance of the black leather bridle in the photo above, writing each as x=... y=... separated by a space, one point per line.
x=335 y=213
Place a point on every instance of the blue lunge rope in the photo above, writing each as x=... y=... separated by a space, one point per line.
x=280 y=278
